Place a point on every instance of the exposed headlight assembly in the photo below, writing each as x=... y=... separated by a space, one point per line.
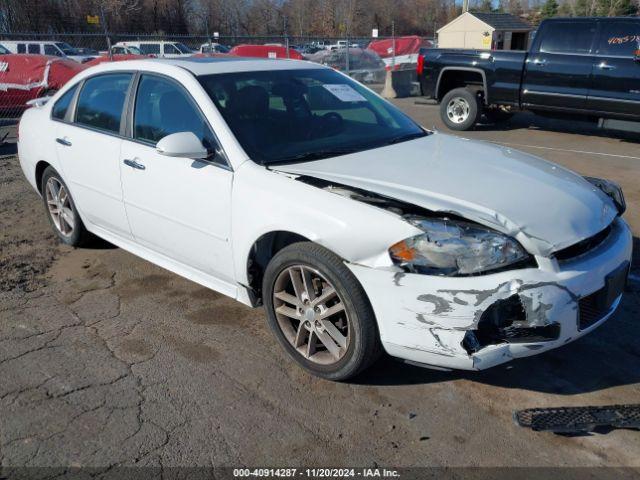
x=612 y=189
x=451 y=248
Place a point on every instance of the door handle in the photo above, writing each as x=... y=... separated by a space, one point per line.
x=134 y=164
x=540 y=63
x=63 y=141
x=605 y=66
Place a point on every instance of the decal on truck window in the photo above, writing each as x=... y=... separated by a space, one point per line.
x=623 y=40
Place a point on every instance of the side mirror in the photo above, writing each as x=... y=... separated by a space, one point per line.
x=183 y=145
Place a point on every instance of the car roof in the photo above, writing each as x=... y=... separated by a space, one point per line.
x=211 y=65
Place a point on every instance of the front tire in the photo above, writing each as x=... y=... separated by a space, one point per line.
x=460 y=109
x=61 y=210
x=319 y=312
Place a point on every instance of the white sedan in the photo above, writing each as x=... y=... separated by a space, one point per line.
x=287 y=184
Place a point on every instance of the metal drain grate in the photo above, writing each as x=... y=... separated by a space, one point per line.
x=578 y=419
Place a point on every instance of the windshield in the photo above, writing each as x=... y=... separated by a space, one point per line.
x=305 y=114
x=66 y=48
x=134 y=50
x=182 y=47
x=3 y=51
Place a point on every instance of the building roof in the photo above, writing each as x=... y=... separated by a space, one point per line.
x=502 y=21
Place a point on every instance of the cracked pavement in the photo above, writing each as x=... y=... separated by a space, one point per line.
x=107 y=360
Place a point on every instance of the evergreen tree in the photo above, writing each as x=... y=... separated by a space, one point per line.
x=549 y=9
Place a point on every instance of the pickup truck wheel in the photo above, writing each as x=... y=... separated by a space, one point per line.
x=319 y=312
x=460 y=109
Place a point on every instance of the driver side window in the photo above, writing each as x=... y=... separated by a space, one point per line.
x=162 y=108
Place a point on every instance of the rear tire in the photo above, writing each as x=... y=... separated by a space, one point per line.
x=335 y=346
x=460 y=109
x=61 y=210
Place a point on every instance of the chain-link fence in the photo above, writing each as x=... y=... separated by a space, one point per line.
x=38 y=64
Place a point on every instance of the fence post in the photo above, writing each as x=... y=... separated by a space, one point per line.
x=347 y=53
x=106 y=32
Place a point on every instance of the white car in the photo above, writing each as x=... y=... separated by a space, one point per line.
x=287 y=184
x=156 y=48
x=213 y=48
x=51 y=48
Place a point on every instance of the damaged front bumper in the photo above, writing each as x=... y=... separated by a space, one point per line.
x=473 y=323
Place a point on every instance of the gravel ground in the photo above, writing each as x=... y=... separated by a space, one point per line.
x=107 y=360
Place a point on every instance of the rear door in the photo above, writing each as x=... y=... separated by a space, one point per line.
x=558 y=69
x=616 y=74
x=88 y=145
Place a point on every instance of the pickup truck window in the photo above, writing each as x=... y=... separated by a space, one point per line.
x=150 y=48
x=567 y=37
x=620 y=39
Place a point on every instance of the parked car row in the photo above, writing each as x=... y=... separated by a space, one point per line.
x=25 y=65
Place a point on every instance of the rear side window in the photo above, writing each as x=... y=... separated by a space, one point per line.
x=567 y=37
x=163 y=108
x=620 y=39
x=150 y=48
x=170 y=49
x=22 y=48
x=33 y=48
x=101 y=101
x=61 y=107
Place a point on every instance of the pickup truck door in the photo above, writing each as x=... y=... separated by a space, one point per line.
x=616 y=73
x=557 y=73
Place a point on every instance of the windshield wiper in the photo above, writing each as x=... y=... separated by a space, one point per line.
x=405 y=138
x=316 y=155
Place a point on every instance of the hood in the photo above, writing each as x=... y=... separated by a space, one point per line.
x=544 y=206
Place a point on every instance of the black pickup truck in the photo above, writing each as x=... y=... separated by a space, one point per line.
x=588 y=67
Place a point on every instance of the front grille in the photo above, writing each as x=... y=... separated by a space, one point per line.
x=582 y=247
x=579 y=419
x=592 y=308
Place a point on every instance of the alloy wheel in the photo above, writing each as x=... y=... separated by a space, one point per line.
x=311 y=315
x=60 y=207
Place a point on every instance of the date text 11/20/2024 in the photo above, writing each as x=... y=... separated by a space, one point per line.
x=316 y=472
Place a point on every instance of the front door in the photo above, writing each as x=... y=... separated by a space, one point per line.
x=616 y=73
x=178 y=207
x=88 y=146
x=558 y=70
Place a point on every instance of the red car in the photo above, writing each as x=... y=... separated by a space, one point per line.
x=26 y=77
x=265 y=51
x=115 y=58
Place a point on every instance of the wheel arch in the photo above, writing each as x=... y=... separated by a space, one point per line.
x=41 y=166
x=447 y=80
x=263 y=249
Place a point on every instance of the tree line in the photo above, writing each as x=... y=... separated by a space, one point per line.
x=329 y=18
